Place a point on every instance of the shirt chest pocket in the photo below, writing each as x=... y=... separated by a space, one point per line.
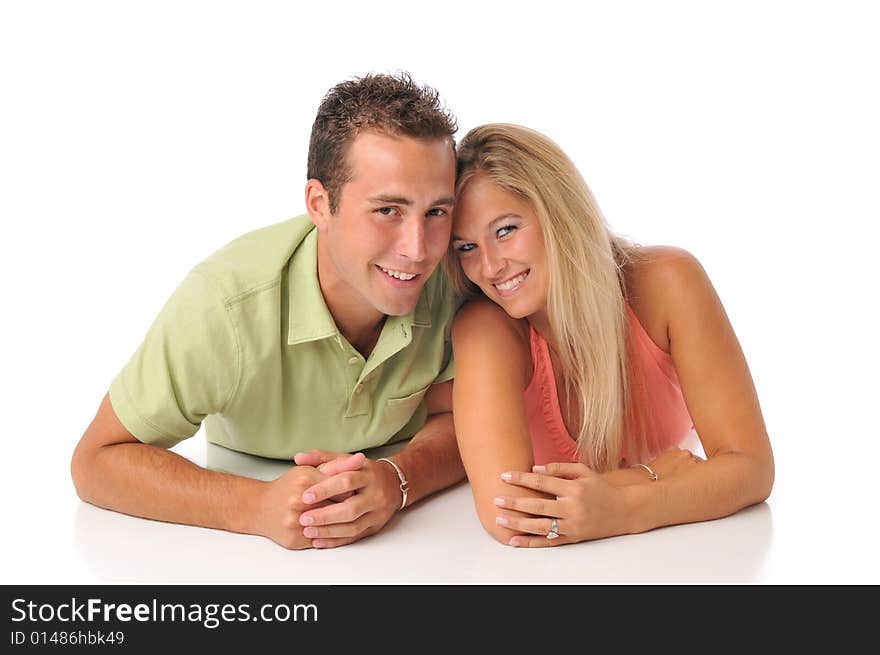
x=398 y=411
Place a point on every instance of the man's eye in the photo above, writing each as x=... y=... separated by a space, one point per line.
x=466 y=247
x=437 y=212
x=387 y=211
x=504 y=231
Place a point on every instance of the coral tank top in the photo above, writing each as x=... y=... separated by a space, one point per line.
x=669 y=422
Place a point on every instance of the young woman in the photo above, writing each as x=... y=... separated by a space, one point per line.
x=584 y=362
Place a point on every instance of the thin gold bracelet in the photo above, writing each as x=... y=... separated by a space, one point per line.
x=653 y=475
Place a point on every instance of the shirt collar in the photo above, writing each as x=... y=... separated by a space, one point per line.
x=421 y=315
x=308 y=316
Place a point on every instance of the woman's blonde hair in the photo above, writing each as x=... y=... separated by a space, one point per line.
x=586 y=294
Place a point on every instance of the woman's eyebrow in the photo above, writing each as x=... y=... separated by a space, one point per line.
x=497 y=219
x=502 y=217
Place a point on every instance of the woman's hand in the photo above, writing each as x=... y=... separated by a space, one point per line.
x=586 y=506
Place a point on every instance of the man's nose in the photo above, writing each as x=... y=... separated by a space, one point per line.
x=411 y=243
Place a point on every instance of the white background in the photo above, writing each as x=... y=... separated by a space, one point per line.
x=137 y=138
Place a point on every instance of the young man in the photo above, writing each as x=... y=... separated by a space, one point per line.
x=327 y=332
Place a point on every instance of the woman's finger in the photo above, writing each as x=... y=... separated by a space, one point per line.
x=525 y=541
x=536 y=506
x=541 y=526
x=546 y=483
x=567 y=470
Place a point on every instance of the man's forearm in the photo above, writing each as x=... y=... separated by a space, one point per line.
x=430 y=461
x=153 y=483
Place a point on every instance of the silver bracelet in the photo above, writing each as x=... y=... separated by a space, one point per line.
x=648 y=469
x=404 y=483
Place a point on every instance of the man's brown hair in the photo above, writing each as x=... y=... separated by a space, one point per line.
x=388 y=104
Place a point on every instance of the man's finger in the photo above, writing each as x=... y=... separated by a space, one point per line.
x=324 y=542
x=350 y=463
x=339 y=530
x=316 y=456
x=323 y=458
x=344 y=512
x=335 y=485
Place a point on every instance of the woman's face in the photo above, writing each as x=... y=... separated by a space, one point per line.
x=499 y=244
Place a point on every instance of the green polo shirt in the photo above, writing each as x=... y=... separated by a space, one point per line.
x=246 y=344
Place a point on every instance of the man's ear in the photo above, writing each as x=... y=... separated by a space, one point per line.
x=317 y=203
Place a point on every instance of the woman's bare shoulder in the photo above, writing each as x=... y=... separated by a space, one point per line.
x=484 y=336
x=481 y=316
x=658 y=280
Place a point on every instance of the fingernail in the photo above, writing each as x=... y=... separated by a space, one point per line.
x=311 y=532
x=306 y=520
x=506 y=476
x=500 y=520
x=499 y=502
x=515 y=542
x=308 y=497
x=538 y=468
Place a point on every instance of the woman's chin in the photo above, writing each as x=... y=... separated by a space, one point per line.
x=514 y=306
x=513 y=309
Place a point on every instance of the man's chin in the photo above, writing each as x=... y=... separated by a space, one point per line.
x=397 y=310
x=399 y=302
x=398 y=307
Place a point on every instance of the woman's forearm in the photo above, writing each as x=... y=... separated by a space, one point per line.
x=718 y=487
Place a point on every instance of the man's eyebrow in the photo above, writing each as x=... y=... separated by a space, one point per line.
x=400 y=200
x=389 y=200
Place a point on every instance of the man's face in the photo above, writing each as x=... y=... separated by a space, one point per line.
x=392 y=224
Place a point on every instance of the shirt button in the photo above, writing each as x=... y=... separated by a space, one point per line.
x=353 y=360
x=359 y=388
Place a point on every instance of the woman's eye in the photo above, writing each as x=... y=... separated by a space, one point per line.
x=504 y=231
x=466 y=247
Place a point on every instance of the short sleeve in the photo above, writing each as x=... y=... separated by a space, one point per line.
x=448 y=302
x=186 y=368
x=448 y=371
